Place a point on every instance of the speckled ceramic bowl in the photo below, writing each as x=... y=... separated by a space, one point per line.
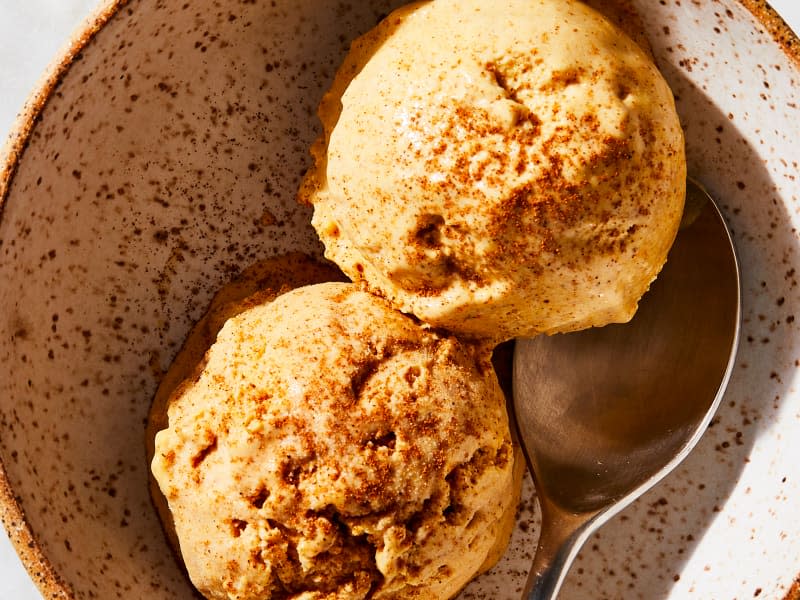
x=162 y=156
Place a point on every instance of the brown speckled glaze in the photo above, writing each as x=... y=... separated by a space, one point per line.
x=161 y=157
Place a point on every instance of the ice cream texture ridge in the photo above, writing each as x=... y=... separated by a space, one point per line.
x=499 y=169
x=332 y=445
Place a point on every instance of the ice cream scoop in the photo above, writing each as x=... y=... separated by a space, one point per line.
x=499 y=169
x=330 y=446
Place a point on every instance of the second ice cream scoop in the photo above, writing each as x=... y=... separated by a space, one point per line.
x=330 y=446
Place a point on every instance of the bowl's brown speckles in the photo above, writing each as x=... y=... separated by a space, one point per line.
x=162 y=157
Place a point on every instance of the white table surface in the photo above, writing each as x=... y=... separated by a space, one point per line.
x=31 y=34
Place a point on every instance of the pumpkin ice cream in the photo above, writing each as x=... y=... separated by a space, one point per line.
x=500 y=169
x=329 y=446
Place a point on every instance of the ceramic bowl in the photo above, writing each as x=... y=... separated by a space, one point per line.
x=161 y=157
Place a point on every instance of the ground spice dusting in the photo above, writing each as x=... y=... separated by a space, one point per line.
x=304 y=466
x=550 y=110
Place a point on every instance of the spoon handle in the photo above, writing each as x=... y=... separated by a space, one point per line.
x=561 y=538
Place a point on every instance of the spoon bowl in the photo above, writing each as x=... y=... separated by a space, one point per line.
x=604 y=414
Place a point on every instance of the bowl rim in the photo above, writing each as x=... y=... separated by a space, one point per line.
x=12 y=515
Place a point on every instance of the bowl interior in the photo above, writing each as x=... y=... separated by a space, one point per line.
x=166 y=160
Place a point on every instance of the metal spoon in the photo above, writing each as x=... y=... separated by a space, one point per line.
x=606 y=413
